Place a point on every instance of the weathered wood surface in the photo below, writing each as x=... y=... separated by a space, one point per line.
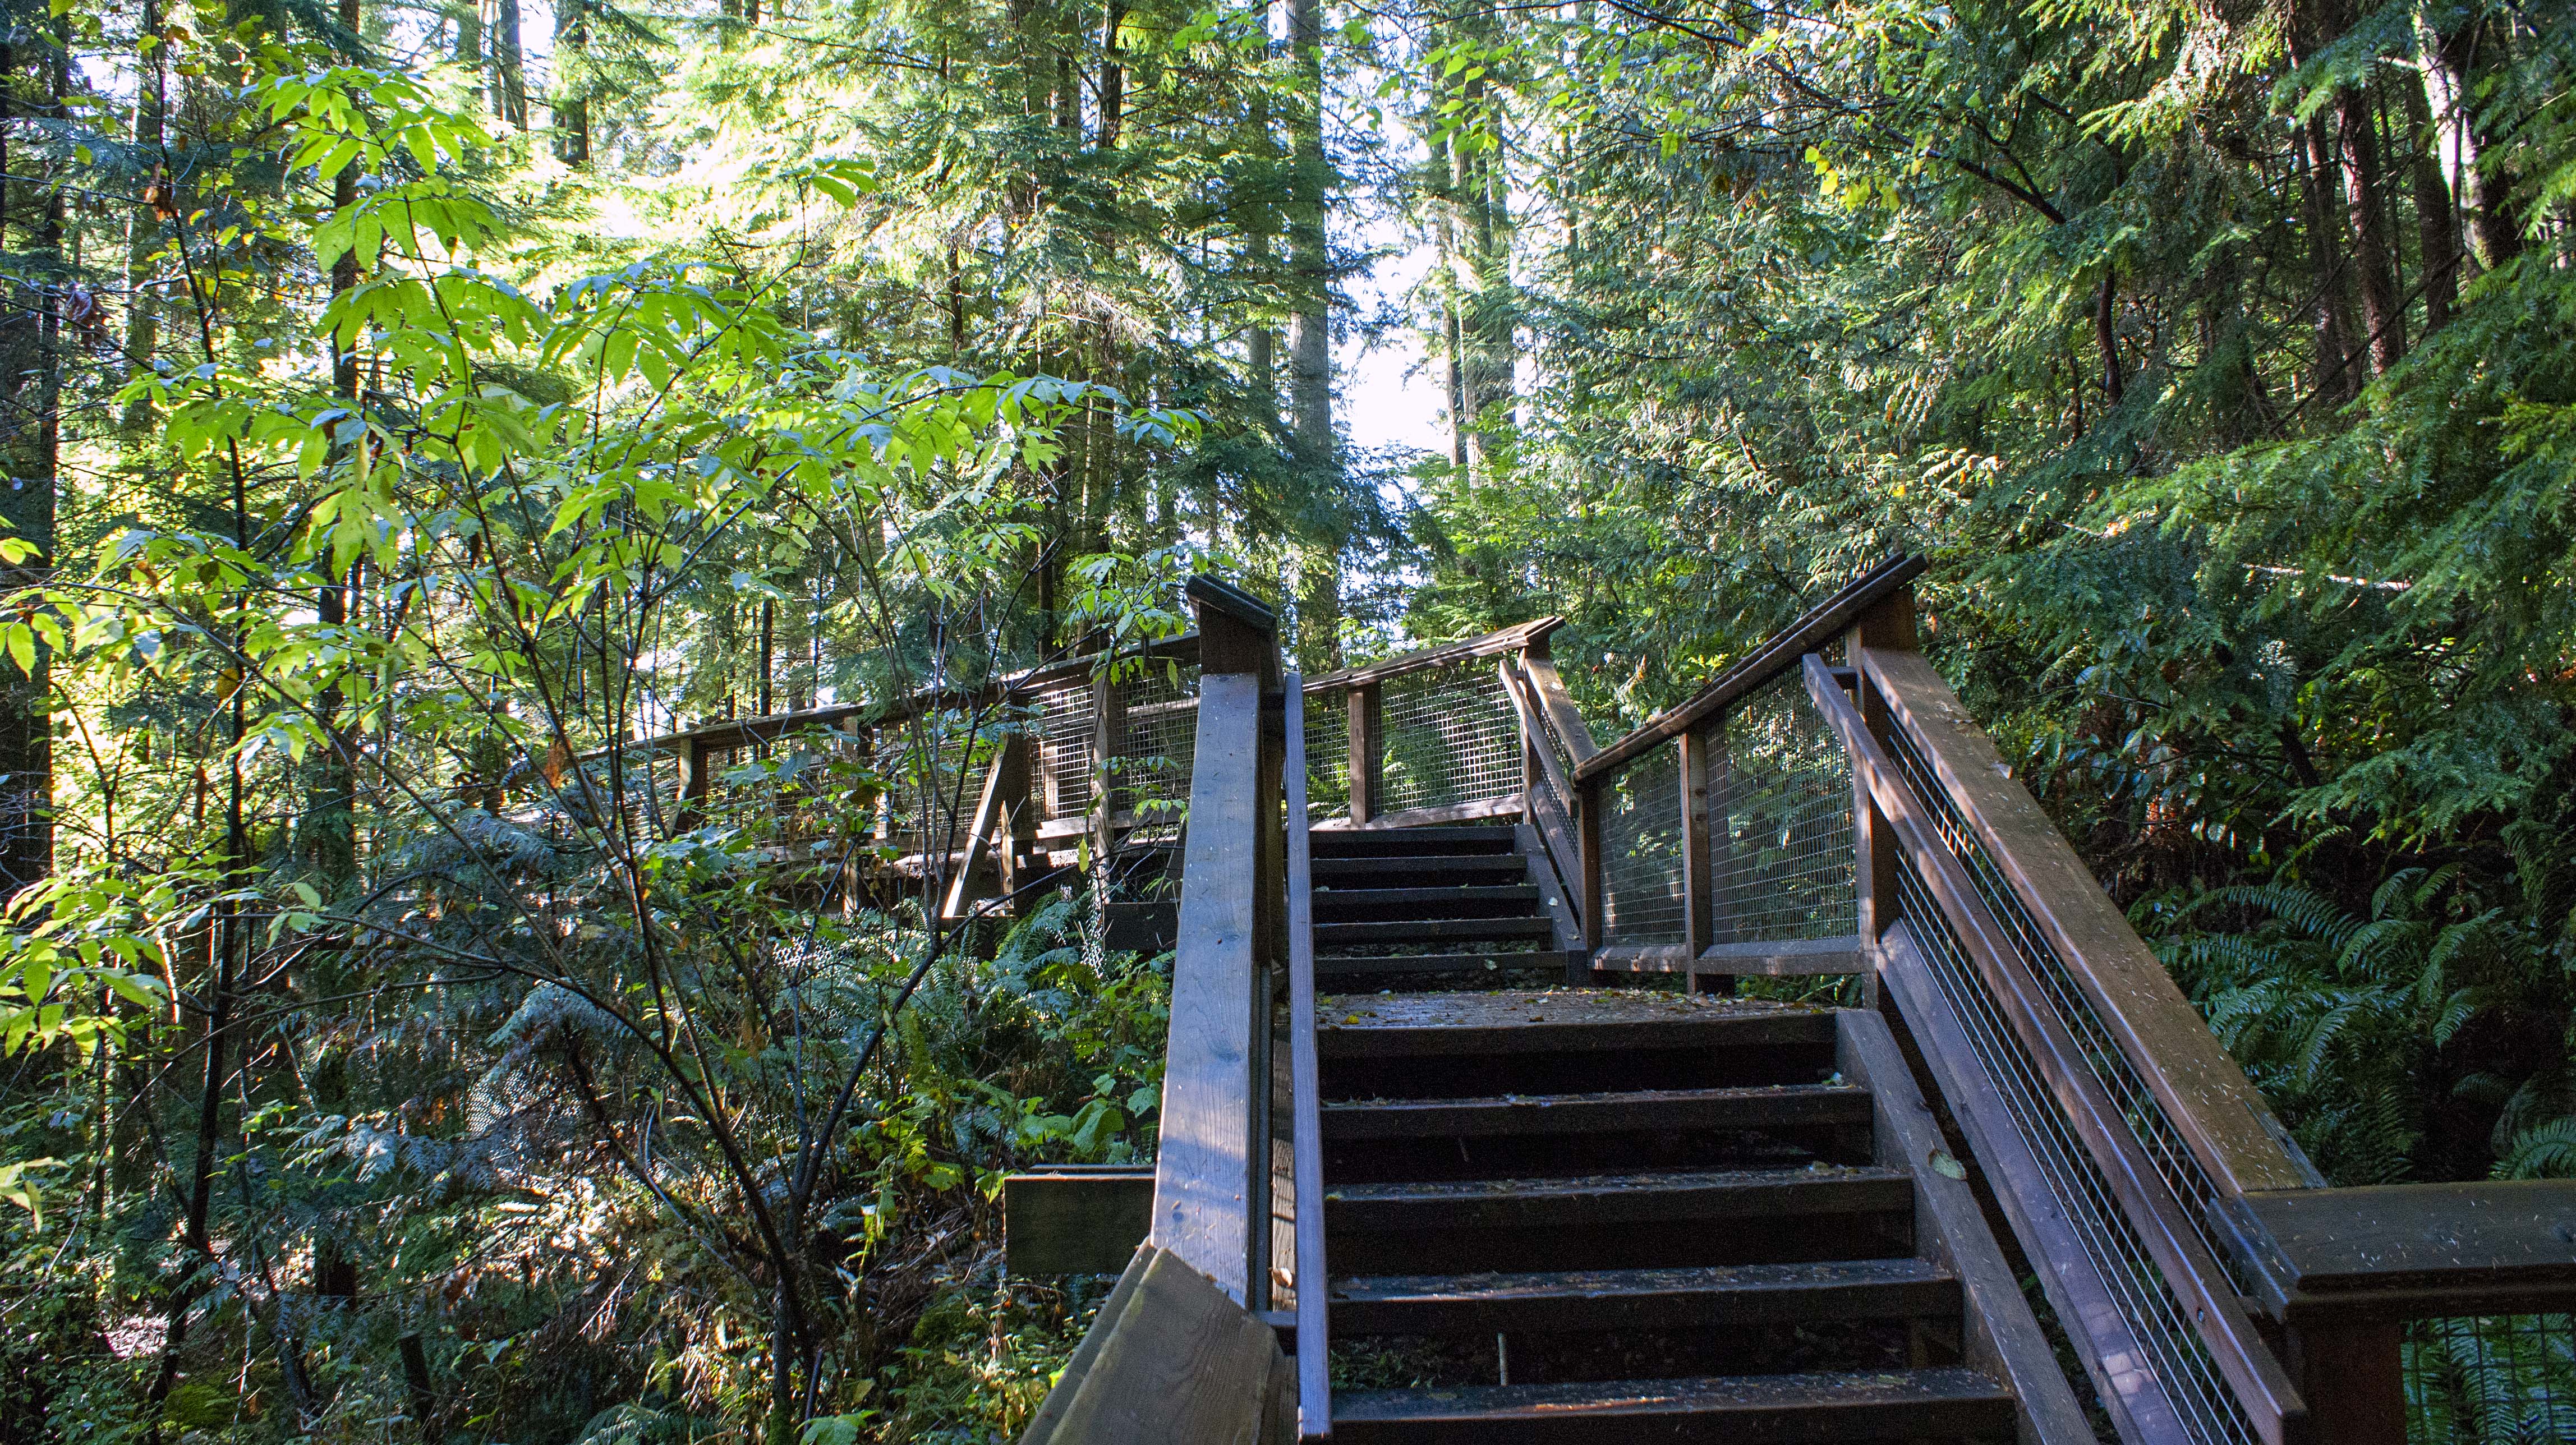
x=2086 y=1307
x=1661 y=1197
x=1697 y=1297
x=1563 y=718
x=1886 y=1405
x=1305 y=1075
x=2401 y=1251
x=1204 y=1186
x=2163 y=1223
x=1508 y=805
x=1819 y=625
x=1364 y=713
x=1171 y=1360
x=1577 y=1019
x=1509 y=639
x=1769 y=1106
x=1075 y=1221
x=2204 y=1091
x=1783 y=958
x=2002 y=1338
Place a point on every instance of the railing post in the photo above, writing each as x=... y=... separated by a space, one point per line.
x=2353 y=1378
x=1108 y=729
x=1587 y=836
x=1889 y=623
x=1212 y=1179
x=1699 y=911
x=695 y=779
x=1368 y=753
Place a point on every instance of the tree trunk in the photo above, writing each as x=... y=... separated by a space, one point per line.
x=1113 y=78
x=1310 y=357
x=572 y=83
x=2373 y=257
x=30 y=443
x=143 y=227
x=469 y=47
x=2448 y=71
x=509 y=76
x=2437 y=226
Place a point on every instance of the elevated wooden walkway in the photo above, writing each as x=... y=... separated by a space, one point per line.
x=1539 y=1171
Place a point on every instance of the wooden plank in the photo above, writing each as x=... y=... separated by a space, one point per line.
x=989 y=803
x=2219 y=1112
x=2399 y=1251
x=1769 y=1106
x=1699 y=908
x=1569 y=1020
x=1509 y=639
x=1367 y=765
x=1788 y=958
x=1075 y=1223
x=1644 y=957
x=1077 y=1368
x=2208 y=1297
x=1347 y=969
x=1942 y=1404
x=1819 y=625
x=1181 y=1361
x=2123 y=1380
x=1660 y=1197
x=1204 y=1186
x=1509 y=805
x=1400 y=932
x=1587 y=842
x=1563 y=719
x=2356 y=1375
x=1556 y=900
x=1305 y=1075
x=2003 y=1337
x=1721 y=1296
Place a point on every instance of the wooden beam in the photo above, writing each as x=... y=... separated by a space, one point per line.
x=1075 y=1220
x=1367 y=752
x=1508 y=805
x=1509 y=639
x=2407 y=1251
x=1699 y=910
x=1170 y=1357
x=1559 y=710
x=1819 y=625
x=1203 y=1184
x=2204 y=1091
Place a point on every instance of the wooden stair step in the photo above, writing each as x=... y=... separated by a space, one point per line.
x=1659 y=1197
x=1427 y=930
x=1332 y=871
x=1454 y=901
x=1396 y=842
x=1776 y=1106
x=1520 y=1021
x=1807 y=1409
x=1352 y=966
x=1643 y=1299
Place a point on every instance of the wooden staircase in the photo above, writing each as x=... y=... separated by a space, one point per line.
x=1611 y=1215
x=1437 y=907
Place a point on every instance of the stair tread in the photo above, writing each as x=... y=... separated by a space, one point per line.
x=1527 y=1020
x=1383 y=865
x=1897 y=1394
x=1399 y=930
x=1755 y=1107
x=1450 y=893
x=1552 y=958
x=1588 y=1284
x=1641 y=1182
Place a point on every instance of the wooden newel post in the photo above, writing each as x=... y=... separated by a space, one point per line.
x=1211 y=1182
x=1887 y=626
x=1587 y=841
x=1699 y=903
x=1368 y=753
x=2353 y=1378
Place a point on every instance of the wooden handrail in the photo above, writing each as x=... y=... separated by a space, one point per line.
x=2162 y=1222
x=1508 y=639
x=1305 y=1085
x=2218 y=1112
x=1813 y=629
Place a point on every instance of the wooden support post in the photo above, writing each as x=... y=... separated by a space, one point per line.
x=695 y=769
x=1699 y=914
x=1108 y=731
x=2353 y=1378
x=1888 y=623
x=1587 y=834
x=1368 y=753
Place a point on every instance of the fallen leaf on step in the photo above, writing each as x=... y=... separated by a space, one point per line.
x=1943 y=1163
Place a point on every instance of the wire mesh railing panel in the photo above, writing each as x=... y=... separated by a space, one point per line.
x=1062 y=779
x=2154 y=1130
x=2491 y=1380
x=1641 y=852
x=1450 y=737
x=1780 y=820
x=2173 y=1350
x=1158 y=721
x=930 y=790
x=1328 y=754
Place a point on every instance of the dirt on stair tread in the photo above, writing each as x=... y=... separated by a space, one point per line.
x=1658 y=1180
x=1697 y=1395
x=1593 y=1283
x=1503 y=1008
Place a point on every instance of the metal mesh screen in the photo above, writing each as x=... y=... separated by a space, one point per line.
x=1328 y=754
x=928 y=798
x=1063 y=775
x=1158 y=714
x=2494 y=1380
x=1451 y=737
x=2174 y=1353
x=1780 y=820
x=2175 y=1164
x=1641 y=852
